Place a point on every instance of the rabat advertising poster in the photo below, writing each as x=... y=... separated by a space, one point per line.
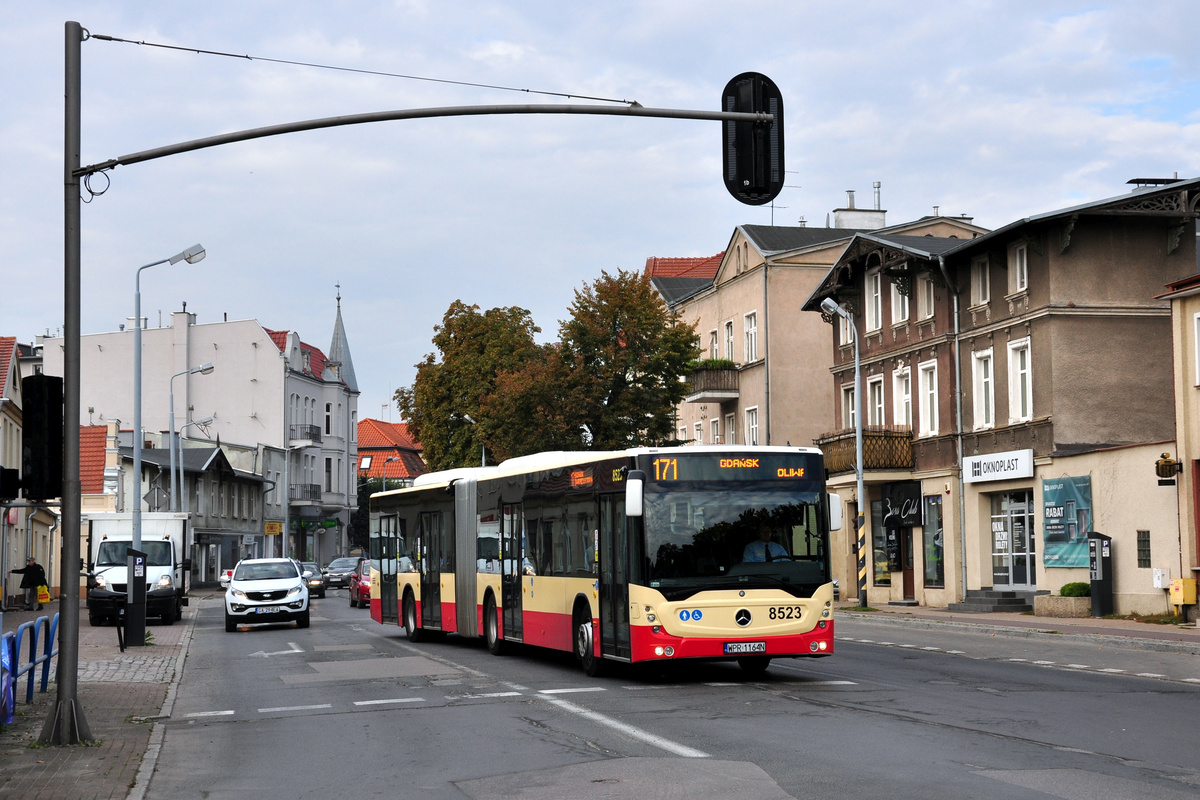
x=1066 y=520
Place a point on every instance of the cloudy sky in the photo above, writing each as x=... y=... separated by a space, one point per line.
x=996 y=110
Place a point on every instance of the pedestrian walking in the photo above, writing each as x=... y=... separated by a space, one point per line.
x=32 y=576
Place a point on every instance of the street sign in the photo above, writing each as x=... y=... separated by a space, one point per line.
x=753 y=151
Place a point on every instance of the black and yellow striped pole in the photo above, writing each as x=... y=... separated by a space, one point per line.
x=831 y=307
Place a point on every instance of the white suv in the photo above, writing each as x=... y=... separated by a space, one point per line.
x=266 y=590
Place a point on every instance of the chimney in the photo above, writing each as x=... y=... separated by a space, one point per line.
x=860 y=218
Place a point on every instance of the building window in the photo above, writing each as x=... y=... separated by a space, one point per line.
x=874 y=297
x=714 y=350
x=983 y=390
x=845 y=331
x=716 y=431
x=899 y=305
x=875 y=400
x=364 y=462
x=935 y=556
x=925 y=296
x=329 y=419
x=1018 y=268
x=1196 y=346
x=928 y=398
x=902 y=397
x=329 y=474
x=880 y=572
x=1143 y=549
x=752 y=426
x=730 y=430
x=848 y=406
x=1020 y=382
x=699 y=426
x=750 y=322
x=981 y=288
x=729 y=340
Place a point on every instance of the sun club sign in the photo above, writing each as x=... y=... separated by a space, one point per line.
x=998 y=466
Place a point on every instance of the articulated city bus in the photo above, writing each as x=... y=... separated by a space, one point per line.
x=650 y=554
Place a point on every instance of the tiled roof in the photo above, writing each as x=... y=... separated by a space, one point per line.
x=699 y=267
x=93 y=439
x=8 y=345
x=380 y=441
x=377 y=433
x=316 y=358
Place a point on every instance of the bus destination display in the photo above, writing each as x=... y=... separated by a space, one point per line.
x=742 y=467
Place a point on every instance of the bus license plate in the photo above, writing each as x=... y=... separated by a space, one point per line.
x=740 y=648
x=267 y=610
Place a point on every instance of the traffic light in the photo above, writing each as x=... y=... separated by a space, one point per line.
x=753 y=151
x=42 y=436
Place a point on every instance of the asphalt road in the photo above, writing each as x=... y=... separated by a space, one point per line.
x=348 y=708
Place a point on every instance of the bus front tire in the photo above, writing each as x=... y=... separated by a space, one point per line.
x=491 y=627
x=585 y=650
x=755 y=665
x=411 y=630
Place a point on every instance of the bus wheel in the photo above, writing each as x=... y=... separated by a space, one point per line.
x=491 y=627
x=414 y=633
x=754 y=666
x=585 y=651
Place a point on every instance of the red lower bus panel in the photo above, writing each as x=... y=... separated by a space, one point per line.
x=545 y=629
x=643 y=641
x=376 y=610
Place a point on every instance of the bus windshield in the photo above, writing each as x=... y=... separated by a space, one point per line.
x=722 y=537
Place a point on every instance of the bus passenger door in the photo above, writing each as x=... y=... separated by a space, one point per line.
x=431 y=569
x=384 y=549
x=512 y=560
x=614 y=578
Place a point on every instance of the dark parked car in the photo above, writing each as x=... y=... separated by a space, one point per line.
x=316 y=581
x=337 y=572
x=360 y=584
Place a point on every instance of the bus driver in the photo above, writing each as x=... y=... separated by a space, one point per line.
x=763 y=549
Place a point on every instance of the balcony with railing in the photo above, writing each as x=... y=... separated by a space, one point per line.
x=718 y=385
x=304 y=435
x=304 y=494
x=883 y=449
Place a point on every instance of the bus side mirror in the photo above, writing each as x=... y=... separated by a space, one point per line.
x=835 y=512
x=635 y=482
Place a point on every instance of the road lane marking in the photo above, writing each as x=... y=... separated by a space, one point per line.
x=489 y=695
x=209 y=713
x=573 y=691
x=389 y=700
x=629 y=730
x=294 y=708
x=1150 y=675
x=293 y=645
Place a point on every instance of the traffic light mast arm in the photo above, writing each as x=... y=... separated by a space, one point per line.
x=419 y=113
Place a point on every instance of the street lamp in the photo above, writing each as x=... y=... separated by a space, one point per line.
x=182 y=485
x=204 y=369
x=831 y=307
x=135 y=598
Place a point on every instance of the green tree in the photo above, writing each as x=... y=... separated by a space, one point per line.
x=626 y=354
x=442 y=406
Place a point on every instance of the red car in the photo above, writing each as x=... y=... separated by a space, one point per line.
x=360 y=584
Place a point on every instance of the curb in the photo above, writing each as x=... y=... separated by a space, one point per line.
x=1134 y=642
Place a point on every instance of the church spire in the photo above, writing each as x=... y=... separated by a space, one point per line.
x=339 y=349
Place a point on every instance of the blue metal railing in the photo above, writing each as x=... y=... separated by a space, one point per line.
x=12 y=644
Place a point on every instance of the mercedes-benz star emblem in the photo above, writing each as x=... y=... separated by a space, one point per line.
x=742 y=617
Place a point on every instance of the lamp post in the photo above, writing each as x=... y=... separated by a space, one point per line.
x=179 y=444
x=135 y=598
x=831 y=307
x=204 y=369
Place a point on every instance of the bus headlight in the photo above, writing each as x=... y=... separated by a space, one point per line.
x=650 y=618
x=825 y=613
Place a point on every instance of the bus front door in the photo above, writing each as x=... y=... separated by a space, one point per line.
x=512 y=561
x=431 y=545
x=614 y=578
x=384 y=550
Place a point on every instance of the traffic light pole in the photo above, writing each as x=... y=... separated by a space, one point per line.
x=66 y=723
